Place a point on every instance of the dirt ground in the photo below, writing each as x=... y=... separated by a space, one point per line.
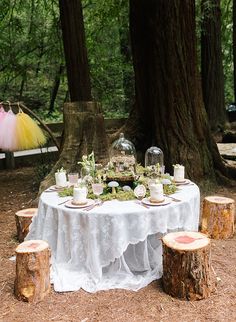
x=148 y=304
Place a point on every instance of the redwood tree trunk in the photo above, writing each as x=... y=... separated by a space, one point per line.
x=84 y=129
x=75 y=50
x=211 y=64
x=169 y=105
x=234 y=45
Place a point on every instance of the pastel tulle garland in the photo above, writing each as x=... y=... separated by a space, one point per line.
x=2 y=113
x=28 y=132
x=8 y=139
x=19 y=132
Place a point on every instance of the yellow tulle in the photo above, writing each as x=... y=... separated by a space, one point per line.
x=28 y=133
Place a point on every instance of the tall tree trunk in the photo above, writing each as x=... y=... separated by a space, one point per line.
x=234 y=46
x=75 y=50
x=84 y=128
x=169 y=110
x=211 y=64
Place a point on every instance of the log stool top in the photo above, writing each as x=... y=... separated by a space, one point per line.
x=32 y=246
x=29 y=212
x=183 y=240
x=219 y=200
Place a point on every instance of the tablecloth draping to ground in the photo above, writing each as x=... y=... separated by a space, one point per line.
x=116 y=245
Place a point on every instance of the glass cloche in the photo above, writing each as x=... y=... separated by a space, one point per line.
x=154 y=159
x=123 y=155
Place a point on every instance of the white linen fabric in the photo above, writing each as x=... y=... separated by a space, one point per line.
x=116 y=245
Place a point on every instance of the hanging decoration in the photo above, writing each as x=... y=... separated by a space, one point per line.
x=19 y=132
x=2 y=113
x=8 y=140
x=28 y=133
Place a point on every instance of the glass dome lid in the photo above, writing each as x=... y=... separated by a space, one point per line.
x=154 y=156
x=123 y=154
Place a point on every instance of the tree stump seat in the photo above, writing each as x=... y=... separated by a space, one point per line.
x=187 y=271
x=218 y=217
x=23 y=220
x=32 y=282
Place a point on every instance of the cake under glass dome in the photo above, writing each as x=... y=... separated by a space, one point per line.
x=123 y=155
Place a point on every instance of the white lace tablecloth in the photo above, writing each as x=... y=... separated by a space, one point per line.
x=116 y=245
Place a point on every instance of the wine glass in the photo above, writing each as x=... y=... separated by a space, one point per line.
x=97 y=190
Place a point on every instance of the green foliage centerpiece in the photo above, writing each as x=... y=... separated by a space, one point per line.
x=93 y=173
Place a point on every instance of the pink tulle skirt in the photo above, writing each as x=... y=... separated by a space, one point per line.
x=8 y=140
x=2 y=114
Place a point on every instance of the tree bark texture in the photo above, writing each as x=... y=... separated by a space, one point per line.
x=218 y=217
x=211 y=64
x=23 y=221
x=169 y=110
x=84 y=132
x=75 y=50
x=234 y=46
x=32 y=281
x=187 y=271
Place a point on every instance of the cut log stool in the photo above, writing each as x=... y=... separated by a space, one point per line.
x=187 y=271
x=32 y=281
x=23 y=220
x=218 y=217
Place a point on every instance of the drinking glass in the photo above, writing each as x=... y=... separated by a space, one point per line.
x=97 y=189
x=73 y=178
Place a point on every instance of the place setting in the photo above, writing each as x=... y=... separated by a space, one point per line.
x=121 y=179
x=156 y=198
x=80 y=200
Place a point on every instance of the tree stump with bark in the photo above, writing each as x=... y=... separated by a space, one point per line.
x=32 y=281
x=23 y=221
x=84 y=132
x=218 y=217
x=187 y=271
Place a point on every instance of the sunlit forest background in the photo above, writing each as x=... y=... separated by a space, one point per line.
x=32 y=65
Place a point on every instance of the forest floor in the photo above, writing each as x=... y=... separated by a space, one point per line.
x=148 y=304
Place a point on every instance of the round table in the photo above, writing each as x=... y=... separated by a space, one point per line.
x=116 y=245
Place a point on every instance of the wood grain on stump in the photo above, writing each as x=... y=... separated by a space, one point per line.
x=23 y=221
x=218 y=217
x=187 y=271
x=32 y=281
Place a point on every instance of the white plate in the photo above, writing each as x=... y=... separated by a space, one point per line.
x=69 y=204
x=147 y=201
x=56 y=188
x=179 y=183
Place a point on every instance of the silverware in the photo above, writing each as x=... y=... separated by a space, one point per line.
x=142 y=204
x=61 y=203
x=99 y=203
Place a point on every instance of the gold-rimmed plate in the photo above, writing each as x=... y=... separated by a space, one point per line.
x=70 y=204
x=147 y=202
